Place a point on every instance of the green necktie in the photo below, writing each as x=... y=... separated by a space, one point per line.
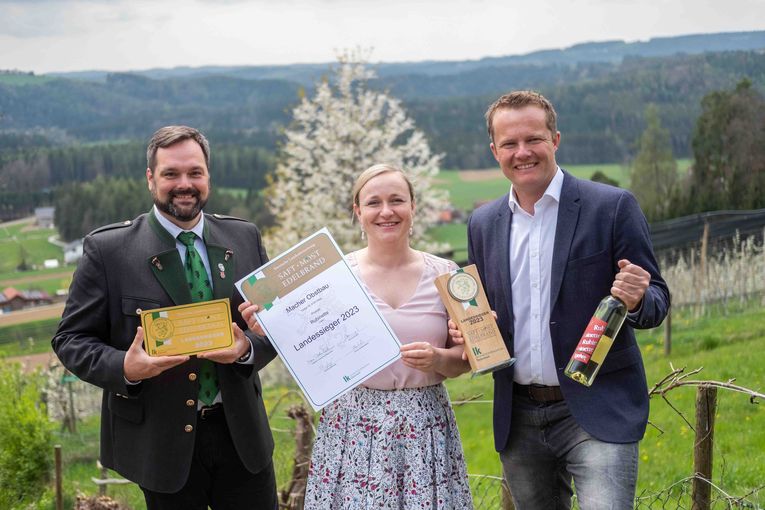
x=201 y=290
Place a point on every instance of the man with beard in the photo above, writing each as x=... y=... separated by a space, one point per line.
x=192 y=432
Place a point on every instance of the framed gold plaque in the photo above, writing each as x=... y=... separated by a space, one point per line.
x=187 y=329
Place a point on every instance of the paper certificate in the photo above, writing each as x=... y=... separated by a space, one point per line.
x=325 y=327
x=187 y=329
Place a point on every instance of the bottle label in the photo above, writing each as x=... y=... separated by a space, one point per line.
x=589 y=340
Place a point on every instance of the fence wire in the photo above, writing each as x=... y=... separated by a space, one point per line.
x=488 y=494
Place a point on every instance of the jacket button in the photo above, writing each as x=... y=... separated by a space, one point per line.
x=190 y=402
x=188 y=428
x=192 y=376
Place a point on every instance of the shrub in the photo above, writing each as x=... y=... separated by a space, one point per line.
x=25 y=438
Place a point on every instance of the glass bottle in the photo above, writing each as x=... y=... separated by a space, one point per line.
x=596 y=340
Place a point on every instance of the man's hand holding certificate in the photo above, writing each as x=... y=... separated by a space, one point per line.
x=325 y=327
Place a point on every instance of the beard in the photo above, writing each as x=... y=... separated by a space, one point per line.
x=180 y=213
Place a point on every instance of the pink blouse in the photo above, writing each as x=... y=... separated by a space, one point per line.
x=421 y=318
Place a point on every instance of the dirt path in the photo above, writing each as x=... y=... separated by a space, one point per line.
x=32 y=314
x=480 y=175
x=35 y=278
x=31 y=361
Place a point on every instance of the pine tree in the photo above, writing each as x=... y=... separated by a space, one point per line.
x=729 y=156
x=653 y=176
x=343 y=129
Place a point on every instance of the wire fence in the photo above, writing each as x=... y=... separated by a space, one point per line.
x=489 y=491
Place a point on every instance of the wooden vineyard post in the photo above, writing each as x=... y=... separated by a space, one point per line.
x=706 y=406
x=59 y=493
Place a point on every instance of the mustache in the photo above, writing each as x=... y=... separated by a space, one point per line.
x=190 y=191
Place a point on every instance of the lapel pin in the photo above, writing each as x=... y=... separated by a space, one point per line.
x=228 y=255
x=156 y=263
x=222 y=270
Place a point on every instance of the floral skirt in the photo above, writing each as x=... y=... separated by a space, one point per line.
x=398 y=449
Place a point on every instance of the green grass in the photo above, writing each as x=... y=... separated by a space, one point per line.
x=727 y=347
x=7 y=277
x=80 y=451
x=455 y=234
x=19 y=238
x=465 y=194
x=15 y=340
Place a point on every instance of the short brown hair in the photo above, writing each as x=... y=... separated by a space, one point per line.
x=170 y=135
x=372 y=172
x=519 y=99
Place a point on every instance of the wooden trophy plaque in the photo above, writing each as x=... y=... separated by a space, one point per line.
x=465 y=301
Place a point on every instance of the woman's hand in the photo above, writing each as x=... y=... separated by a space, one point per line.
x=420 y=355
x=248 y=311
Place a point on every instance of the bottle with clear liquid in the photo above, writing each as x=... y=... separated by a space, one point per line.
x=596 y=340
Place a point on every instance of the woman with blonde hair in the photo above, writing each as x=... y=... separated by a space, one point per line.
x=393 y=442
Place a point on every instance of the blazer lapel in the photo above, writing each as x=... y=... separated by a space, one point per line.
x=222 y=265
x=568 y=217
x=167 y=266
x=502 y=226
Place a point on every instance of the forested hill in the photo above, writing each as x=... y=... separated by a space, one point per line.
x=612 y=52
x=600 y=90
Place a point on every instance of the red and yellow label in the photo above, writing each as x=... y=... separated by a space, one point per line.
x=590 y=339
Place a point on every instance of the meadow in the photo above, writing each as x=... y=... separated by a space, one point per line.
x=469 y=189
x=726 y=347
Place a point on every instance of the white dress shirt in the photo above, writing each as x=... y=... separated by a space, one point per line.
x=532 y=239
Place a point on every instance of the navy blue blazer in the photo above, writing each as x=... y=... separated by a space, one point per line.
x=597 y=226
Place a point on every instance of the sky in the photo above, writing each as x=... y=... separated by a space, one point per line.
x=121 y=35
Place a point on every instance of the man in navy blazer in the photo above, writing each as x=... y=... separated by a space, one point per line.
x=548 y=252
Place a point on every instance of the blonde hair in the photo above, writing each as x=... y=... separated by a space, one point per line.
x=372 y=172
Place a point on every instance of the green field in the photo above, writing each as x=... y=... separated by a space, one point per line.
x=27 y=338
x=25 y=240
x=727 y=347
x=465 y=194
x=80 y=452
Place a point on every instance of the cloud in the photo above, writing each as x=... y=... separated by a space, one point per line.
x=60 y=18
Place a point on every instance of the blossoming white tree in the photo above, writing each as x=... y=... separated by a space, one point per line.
x=342 y=130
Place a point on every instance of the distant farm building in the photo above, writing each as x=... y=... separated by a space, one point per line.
x=12 y=299
x=73 y=252
x=50 y=263
x=44 y=216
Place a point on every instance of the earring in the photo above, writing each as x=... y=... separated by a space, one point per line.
x=411 y=230
x=363 y=234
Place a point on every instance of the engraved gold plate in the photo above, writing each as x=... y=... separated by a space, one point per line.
x=187 y=329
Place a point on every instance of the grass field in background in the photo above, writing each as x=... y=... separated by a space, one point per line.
x=726 y=346
x=34 y=242
x=466 y=192
x=27 y=338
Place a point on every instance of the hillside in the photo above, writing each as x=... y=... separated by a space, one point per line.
x=600 y=91
x=608 y=51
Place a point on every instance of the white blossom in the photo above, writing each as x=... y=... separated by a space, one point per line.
x=343 y=129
